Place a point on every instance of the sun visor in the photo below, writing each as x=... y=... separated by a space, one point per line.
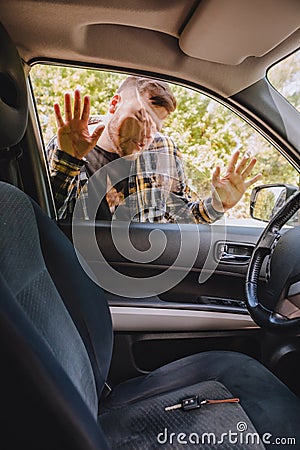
x=229 y=31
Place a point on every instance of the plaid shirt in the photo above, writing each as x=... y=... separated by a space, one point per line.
x=156 y=185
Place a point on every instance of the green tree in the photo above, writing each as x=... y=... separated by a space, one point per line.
x=285 y=77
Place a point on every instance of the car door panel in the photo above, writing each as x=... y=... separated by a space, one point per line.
x=225 y=280
x=188 y=318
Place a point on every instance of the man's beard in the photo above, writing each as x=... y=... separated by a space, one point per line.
x=125 y=136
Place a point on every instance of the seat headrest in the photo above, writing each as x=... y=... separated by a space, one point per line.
x=13 y=93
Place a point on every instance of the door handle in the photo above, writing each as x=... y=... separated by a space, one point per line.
x=234 y=253
x=234 y=258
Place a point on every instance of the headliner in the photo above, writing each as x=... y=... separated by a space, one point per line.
x=223 y=46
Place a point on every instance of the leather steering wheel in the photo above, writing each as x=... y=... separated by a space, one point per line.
x=283 y=250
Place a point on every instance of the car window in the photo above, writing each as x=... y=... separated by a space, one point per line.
x=204 y=132
x=285 y=77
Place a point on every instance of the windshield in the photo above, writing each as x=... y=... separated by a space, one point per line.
x=285 y=77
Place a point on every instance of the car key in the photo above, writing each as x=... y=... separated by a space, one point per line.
x=186 y=404
x=190 y=403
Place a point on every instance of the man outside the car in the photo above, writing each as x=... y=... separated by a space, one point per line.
x=136 y=115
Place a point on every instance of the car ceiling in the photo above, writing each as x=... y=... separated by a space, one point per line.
x=223 y=45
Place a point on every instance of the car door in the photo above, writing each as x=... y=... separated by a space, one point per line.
x=188 y=297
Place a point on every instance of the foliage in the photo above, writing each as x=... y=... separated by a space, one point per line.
x=285 y=78
x=206 y=132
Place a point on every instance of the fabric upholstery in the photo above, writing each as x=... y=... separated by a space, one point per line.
x=264 y=398
x=85 y=301
x=23 y=268
x=40 y=406
x=38 y=331
x=145 y=424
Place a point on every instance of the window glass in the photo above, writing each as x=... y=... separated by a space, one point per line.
x=205 y=132
x=285 y=77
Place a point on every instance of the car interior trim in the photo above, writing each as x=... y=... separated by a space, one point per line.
x=97 y=30
x=201 y=37
x=159 y=319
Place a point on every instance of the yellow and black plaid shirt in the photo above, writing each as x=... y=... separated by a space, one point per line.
x=156 y=189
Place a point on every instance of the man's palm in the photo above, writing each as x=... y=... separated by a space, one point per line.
x=73 y=136
x=228 y=190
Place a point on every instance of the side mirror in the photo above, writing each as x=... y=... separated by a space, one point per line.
x=267 y=199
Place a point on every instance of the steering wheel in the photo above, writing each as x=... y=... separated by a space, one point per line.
x=283 y=278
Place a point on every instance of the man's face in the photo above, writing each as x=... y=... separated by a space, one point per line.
x=134 y=122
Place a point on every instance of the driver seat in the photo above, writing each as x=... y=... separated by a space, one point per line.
x=56 y=344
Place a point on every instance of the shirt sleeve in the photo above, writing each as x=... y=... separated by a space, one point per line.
x=64 y=174
x=202 y=210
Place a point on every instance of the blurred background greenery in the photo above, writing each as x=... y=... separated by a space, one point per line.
x=206 y=132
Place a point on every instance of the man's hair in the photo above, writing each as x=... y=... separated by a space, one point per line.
x=159 y=92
